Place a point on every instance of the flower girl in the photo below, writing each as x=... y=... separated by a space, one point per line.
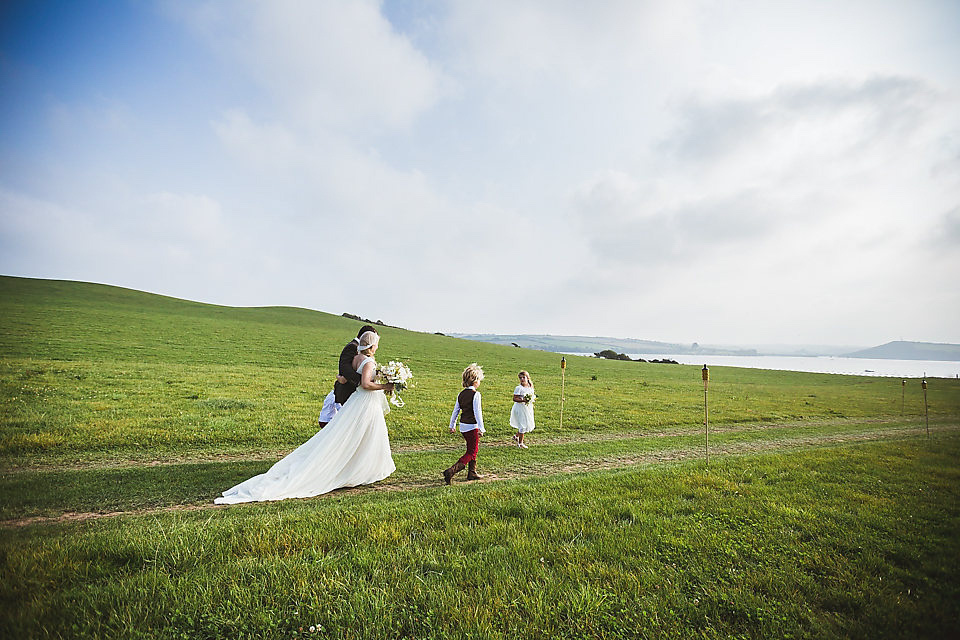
x=521 y=416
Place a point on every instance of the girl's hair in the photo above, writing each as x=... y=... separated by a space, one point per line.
x=524 y=373
x=367 y=340
x=472 y=375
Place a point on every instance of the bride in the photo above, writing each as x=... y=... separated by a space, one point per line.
x=353 y=448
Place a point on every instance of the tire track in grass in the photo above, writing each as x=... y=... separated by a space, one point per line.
x=571 y=436
x=543 y=469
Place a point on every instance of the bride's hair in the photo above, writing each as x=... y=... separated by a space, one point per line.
x=472 y=375
x=364 y=329
x=367 y=340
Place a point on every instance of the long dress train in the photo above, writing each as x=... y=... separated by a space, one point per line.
x=353 y=449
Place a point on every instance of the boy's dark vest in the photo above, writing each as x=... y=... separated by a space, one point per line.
x=465 y=400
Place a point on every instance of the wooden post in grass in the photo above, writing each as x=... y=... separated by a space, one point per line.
x=563 y=372
x=926 y=409
x=903 y=394
x=706 y=415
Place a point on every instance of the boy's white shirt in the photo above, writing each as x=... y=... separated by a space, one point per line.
x=330 y=408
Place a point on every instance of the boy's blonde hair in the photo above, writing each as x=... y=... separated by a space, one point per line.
x=472 y=375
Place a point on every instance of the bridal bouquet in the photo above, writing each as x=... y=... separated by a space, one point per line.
x=529 y=398
x=397 y=373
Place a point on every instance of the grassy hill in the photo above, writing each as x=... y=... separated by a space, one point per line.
x=93 y=370
x=825 y=510
x=80 y=321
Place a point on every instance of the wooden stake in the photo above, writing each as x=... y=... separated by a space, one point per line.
x=563 y=378
x=903 y=394
x=706 y=415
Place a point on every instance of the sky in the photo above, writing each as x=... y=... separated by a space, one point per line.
x=721 y=172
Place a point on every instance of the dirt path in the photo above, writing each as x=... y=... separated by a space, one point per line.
x=433 y=480
x=543 y=438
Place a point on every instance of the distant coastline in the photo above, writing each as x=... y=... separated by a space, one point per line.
x=897 y=350
x=901 y=350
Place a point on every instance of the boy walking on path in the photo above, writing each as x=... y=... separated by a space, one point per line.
x=469 y=411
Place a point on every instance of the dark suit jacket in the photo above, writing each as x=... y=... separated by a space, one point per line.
x=343 y=391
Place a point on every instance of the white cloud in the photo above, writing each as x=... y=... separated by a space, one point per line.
x=796 y=122
x=159 y=242
x=947 y=231
x=103 y=115
x=581 y=45
x=336 y=64
x=191 y=224
x=800 y=158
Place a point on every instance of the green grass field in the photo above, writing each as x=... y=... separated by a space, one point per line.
x=826 y=509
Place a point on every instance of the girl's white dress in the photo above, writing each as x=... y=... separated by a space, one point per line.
x=521 y=416
x=353 y=449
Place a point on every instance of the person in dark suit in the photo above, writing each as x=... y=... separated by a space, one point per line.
x=347 y=378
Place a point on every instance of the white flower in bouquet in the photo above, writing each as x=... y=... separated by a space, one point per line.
x=397 y=373
x=529 y=397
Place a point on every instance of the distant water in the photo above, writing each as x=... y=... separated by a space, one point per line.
x=819 y=364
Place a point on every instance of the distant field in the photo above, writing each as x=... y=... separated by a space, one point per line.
x=125 y=414
x=100 y=373
x=595 y=344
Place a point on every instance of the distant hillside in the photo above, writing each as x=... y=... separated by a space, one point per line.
x=594 y=344
x=901 y=350
x=60 y=320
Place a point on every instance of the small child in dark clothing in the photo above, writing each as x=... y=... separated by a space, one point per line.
x=471 y=423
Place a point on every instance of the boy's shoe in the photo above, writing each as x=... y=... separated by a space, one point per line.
x=452 y=471
x=472 y=471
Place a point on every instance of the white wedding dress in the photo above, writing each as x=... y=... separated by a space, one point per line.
x=353 y=449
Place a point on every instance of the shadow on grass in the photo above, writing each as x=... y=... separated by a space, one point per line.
x=46 y=493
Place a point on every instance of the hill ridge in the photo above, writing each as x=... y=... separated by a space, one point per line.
x=73 y=295
x=907 y=350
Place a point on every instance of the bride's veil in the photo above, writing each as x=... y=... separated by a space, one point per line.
x=367 y=340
